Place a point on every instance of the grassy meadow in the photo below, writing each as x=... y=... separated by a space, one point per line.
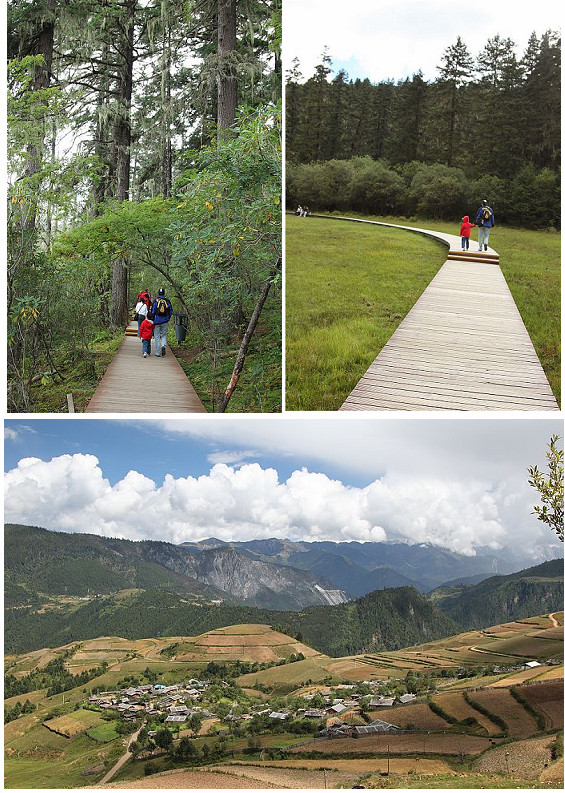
x=348 y=287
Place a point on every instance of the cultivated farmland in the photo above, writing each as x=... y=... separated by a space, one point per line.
x=500 y=702
x=548 y=698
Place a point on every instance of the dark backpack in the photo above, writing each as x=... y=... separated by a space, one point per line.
x=162 y=307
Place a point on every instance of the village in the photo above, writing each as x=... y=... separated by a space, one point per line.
x=216 y=708
x=332 y=712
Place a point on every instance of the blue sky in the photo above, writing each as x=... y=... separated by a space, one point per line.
x=153 y=449
x=456 y=483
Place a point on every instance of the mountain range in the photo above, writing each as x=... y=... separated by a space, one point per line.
x=63 y=587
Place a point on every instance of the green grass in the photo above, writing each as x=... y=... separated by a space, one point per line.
x=46 y=760
x=81 y=377
x=349 y=286
x=104 y=732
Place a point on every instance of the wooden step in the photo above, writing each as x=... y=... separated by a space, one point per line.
x=131 y=331
x=472 y=257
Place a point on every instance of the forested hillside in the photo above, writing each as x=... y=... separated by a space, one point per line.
x=488 y=126
x=144 y=152
x=384 y=620
x=504 y=598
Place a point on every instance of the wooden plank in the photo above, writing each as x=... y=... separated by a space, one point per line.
x=463 y=346
x=134 y=384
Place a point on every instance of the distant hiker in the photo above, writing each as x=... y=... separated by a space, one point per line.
x=140 y=313
x=465 y=232
x=162 y=312
x=144 y=296
x=146 y=333
x=305 y=211
x=485 y=222
x=299 y=211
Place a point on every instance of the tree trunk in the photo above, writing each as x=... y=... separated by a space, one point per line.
x=42 y=79
x=166 y=146
x=121 y=153
x=247 y=338
x=226 y=77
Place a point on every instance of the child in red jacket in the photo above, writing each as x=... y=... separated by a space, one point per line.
x=146 y=333
x=466 y=232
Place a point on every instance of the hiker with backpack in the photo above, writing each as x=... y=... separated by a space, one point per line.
x=485 y=222
x=162 y=312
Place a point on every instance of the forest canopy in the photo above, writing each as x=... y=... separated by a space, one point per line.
x=145 y=152
x=486 y=126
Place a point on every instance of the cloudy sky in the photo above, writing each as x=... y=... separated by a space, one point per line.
x=460 y=484
x=381 y=40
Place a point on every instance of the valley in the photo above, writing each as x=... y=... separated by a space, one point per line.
x=249 y=706
x=277 y=664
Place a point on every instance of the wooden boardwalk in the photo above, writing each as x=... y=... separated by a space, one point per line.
x=133 y=384
x=463 y=346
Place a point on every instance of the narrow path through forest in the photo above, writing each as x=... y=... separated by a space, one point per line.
x=133 y=384
x=463 y=346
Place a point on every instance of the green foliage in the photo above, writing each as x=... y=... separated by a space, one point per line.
x=383 y=620
x=550 y=488
x=17 y=710
x=527 y=199
x=76 y=147
x=514 y=101
x=54 y=676
x=533 y=591
x=435 y=707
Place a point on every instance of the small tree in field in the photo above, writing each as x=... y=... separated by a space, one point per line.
x=550 y=487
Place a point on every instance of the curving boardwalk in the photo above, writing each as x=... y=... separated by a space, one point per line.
x=133 y=384
x=463 y=346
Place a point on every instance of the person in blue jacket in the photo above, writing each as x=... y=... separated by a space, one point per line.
x=162 y=311
x=485 y=222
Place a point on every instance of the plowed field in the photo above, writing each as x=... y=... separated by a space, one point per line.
x=360 y=766
x=433 y=743
x=419 y=715
x=523 y=759
x=547 y=697
x=500 y=702
x=456 y=706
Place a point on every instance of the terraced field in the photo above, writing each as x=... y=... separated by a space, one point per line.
x=417 y=716
x=383 y=743
x=547 y=697
x=288 y=678
x=501 y=702
x=75 y=723
x=459 y=708
x=526 y=759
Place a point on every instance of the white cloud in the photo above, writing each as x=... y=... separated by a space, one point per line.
x=10 y=434
x=463 y=514
x=231 y=457
x=394 y=40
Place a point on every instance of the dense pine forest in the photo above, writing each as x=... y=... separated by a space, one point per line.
x=487 y=126
x=144 y=152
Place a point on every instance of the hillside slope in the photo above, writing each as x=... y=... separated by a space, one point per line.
x=532 y=591
x=382 y=620
x=58 y=563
